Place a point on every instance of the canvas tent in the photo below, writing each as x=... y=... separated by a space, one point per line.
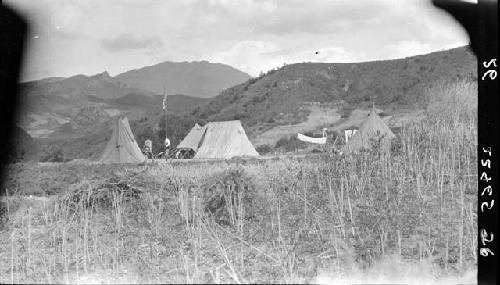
x=373 y=129
x=193 y=138
x=122 y=147
x=222 y=140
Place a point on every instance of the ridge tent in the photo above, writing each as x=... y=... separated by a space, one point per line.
x=122 y=147
x=372 y=129
x=193 y=138
x=225 y=140
x=221 y=140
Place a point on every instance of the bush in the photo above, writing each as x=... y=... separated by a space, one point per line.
x=263 y=149
x=290 y=143
x=53 y=153
x=231 y=196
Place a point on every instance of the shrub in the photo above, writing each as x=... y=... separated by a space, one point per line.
x=263 y=149
x=232 y=196
x=290 y=143
x=53 y=153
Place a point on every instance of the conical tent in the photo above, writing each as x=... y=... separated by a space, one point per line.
x=122 y=147
x=221 y=140
x=373 y=130
x=193 y=138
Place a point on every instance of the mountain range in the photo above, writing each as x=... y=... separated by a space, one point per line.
x=52 y=102
x=302 y=97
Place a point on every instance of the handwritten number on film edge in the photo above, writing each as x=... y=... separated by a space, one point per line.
x=487 y=188
x=487 y=150
x=484 y=237
x=490 y=73
x=486 y=163
x=486 y=203
x=485 y=177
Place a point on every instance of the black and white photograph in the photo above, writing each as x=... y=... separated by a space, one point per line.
x=245 y=141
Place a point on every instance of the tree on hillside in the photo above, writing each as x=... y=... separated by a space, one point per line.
x=177 y=128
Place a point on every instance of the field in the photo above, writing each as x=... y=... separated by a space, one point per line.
x=408 y=216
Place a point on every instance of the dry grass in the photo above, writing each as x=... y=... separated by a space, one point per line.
x=324 y=219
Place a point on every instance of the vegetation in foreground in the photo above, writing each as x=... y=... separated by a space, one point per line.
x=394 y=218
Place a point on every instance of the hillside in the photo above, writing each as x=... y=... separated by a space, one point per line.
x=200 y=78
x=87 y=121
x=49 y=104
x=78 y=87
x=176 y=104
x=22 y=146
x=285 y=96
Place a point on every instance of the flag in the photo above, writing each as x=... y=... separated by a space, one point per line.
x=165 y=102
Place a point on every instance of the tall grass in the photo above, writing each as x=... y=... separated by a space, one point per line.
x=313 y=219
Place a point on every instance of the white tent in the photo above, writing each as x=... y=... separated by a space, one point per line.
x=218 y=140
x=122 y=147
x=372 y=130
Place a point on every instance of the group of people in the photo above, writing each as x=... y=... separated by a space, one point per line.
x=148 y=148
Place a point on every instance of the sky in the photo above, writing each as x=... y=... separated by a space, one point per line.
x=70 y=37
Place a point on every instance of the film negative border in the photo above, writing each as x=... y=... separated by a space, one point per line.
x=488 y=141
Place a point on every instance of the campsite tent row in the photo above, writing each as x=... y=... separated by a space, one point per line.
x=224 y=140
x=220 y=140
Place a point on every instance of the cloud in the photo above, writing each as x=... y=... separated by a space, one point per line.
x=248 y=55
x=251 y=35
x=254 y=56
x=130 y=42
x=405 y=48
x=320 y=17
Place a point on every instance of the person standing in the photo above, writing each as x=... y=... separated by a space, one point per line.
x=167 y=147
x=148 y=148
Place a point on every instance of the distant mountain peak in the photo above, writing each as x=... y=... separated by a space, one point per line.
x=102 y=76
x=198 y=78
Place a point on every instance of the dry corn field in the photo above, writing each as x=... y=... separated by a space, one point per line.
x=404 y=217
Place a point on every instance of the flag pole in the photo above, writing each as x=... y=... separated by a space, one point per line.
x=165 y=109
